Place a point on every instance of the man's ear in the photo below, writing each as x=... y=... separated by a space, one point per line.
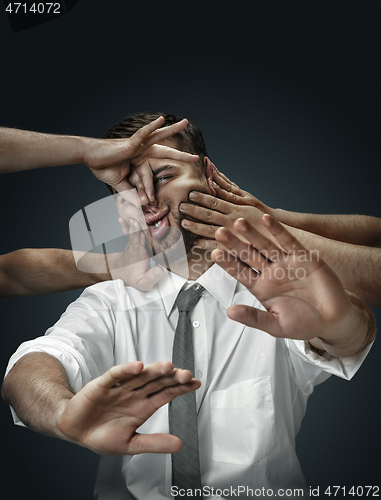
x=209 y=169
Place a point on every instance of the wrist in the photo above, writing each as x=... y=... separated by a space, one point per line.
x=352 y=333
x=83 y=148
x=284 y=216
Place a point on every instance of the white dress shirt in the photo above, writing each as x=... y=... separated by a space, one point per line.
x=251 y=402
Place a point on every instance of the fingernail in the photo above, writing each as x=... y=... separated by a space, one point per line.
x=186 y=223
x=193 y=195
x=158 y=271
x=184 y=206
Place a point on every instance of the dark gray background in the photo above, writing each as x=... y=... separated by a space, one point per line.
x=288 y=97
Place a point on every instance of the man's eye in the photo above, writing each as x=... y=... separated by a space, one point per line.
x=162 y=178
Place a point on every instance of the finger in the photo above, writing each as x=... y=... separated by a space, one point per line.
x=135 y=233
x=124 y=226
x=225 y=183
x=153 y=443
x=141 y=135
x=176 y=377
x=205 y=214
x=255 y=318
x=280 y=233
x=142 y=195
x=167 y=394
x=159 y=151
x=120 y=372
x=208 y=201
x=225 y=177
x=136 y=181
x=130 y=196
x=206 y=244
x=146 y=176
x=200 y=229
x=165 y=132
x=129 y=211
x=264 y=245
x=150 y=372
x=229 y=196
x=242 y=272
x=123 y=185
x=248 y=252
x=150 y=279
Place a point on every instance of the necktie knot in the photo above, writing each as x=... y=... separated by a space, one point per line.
x=187 y=299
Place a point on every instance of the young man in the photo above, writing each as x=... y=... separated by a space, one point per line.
x=104 y=370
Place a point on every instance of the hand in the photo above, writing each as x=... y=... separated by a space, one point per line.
x=213 y=214
x=232 y=203
x=133 y=264
x=303 y=297
x=229 y=191
x=105 y=414
x=111 y=160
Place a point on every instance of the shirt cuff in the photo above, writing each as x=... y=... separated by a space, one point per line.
x=344 y=367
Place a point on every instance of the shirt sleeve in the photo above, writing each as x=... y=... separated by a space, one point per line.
x=315 y=368
x=82 y=340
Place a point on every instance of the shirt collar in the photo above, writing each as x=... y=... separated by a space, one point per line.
x=215 y=280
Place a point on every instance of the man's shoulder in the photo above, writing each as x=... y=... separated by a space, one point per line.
x=112 y=290
x=117 y=292
x=105 y=287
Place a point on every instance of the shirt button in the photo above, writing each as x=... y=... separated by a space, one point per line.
x=196 y=324
x=198 y=373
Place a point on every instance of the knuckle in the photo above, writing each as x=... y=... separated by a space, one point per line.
x=211 y=230
x=209 y=215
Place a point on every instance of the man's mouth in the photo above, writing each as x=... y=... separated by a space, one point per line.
x=158 y=224
x=159 y=229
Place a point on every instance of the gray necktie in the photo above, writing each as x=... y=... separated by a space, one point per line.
x=182 y=410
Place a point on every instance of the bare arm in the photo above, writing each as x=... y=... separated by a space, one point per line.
x=109 y=159
x=25 y=150
x=356 y=229
x=105 y=414
x=357 y=266
x=33 y=271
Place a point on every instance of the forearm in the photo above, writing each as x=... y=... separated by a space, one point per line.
x=356 y=229
x=47 y=270
x=352 y=334
x=358 y=267
x=38 y=390
x=24 y=150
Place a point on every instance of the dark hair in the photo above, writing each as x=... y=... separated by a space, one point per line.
x=189 y=139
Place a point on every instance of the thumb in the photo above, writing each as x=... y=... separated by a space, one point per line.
x=150 y=278
x=255 y=318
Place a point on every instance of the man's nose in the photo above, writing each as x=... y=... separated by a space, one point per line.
x=146 y=204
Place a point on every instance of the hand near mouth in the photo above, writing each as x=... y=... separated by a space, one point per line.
x=133 y=264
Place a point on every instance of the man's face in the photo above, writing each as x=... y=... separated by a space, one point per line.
x=173 y=181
